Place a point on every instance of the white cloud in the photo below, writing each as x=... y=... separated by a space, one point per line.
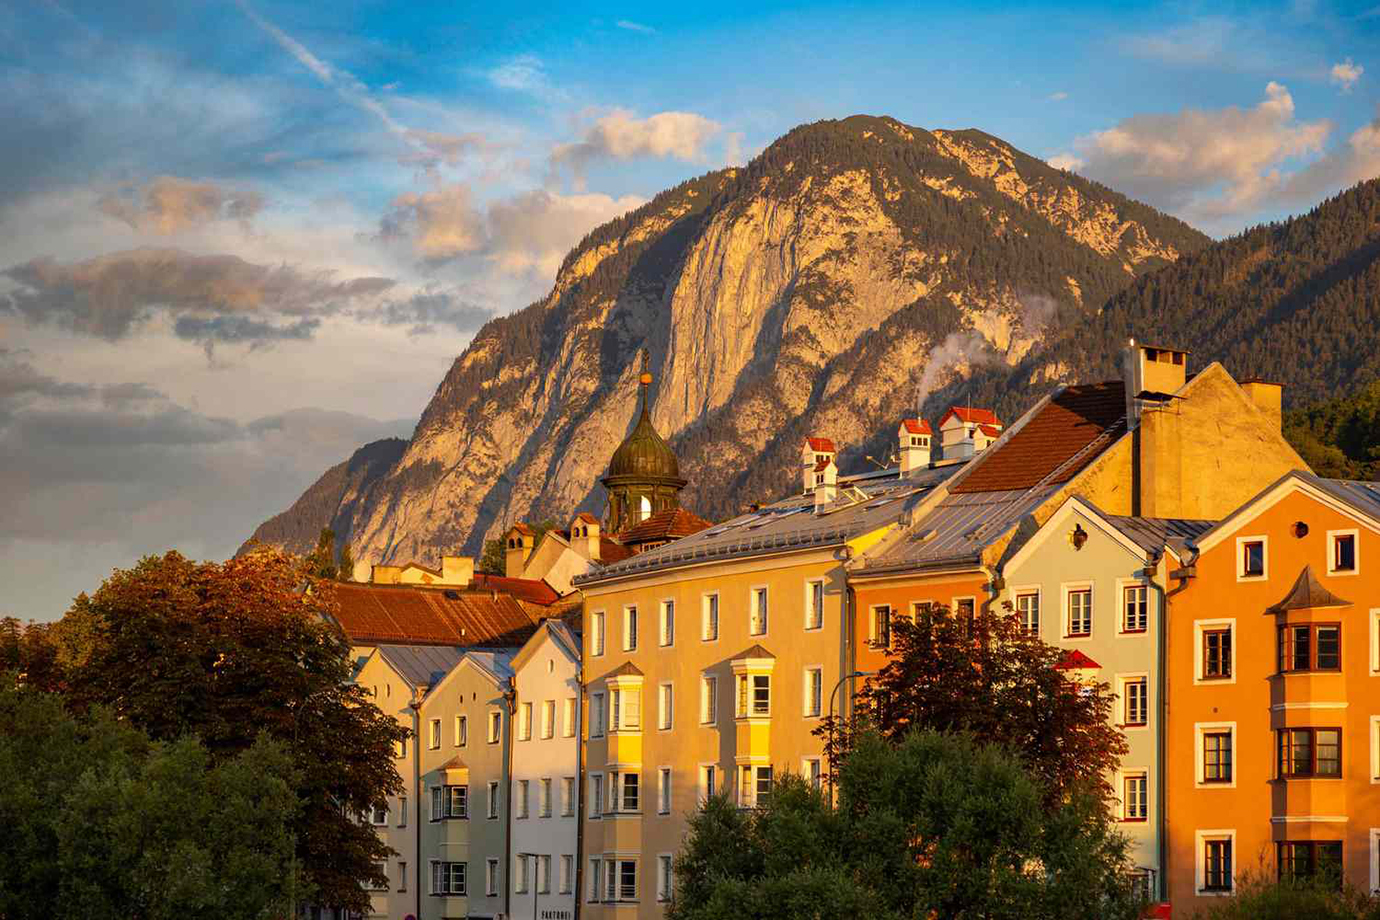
x=620 y=135
x=631 y=26
x=170 y=204
x=1065 y=161
x=1346 y=74
x=526 y=73
x=1057 y=97
x=1203 y=164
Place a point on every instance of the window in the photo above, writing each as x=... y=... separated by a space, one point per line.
x=596 y=794
x=709 y=699
x=663 y=877
x=567 y=873
x=663 y=791
x=1135 y=703
x=495 y=726
x=754 y=695
x=814 y=691
x=381 y=869
x=709 y=776
x=709 y=628
x=1310 y=647
x=1342 y=559
x=813 y=770
x=1306 y=752
x=400 y=748
x=920 y=608
x=493 y=799
x=629 y=629
x=757 y=784
x=665 y=706
x=1217 y=867
x=1250 y=561
x=814 y=604
x=491 y=877
x=1217 y=756
x=402 y=875
x=1134 y=797
x=1028 y=612
x=402 y=811
x=596 y=633
x=881 y=626
x=434 y=734
x=462 y=731
x=667 y=633
x=757 y=622
x=595 y=877
x=522 y=789
x=1217 y=656
x=525 y=722
x=544 y=802
x=448 y=878
x=1311 y=859
x=1080 y=612
x=450 y=802
x=548 y=719
x=543 y=874
x=379 y=815
x=631 y=788
x=964 y=608
x=568 y=720
x=520 y=873
x=596 y=715
x=627 y=880
x=1134 y=617
x=627 y=709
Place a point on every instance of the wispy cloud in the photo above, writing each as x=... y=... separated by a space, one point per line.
x=1346 y=74
x=1057 y=97
x=526 y=73
x=631 y=26
x=620 y=135
x=171 y=204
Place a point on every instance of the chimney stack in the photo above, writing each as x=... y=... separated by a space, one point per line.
x=827 y=486
x=584 y=536
x=1152 y=374
x=1268 y=398
x=520 y=541
x=913 y=438
x=457 y=571
x=813 y=456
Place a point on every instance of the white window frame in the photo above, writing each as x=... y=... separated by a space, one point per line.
x=703 y=775
x=520 y=873
x=495 y=726
x=548 y=719
x=1122 y=775
x=1200 y=838
x=811 y=610
x=1035 y=591
x=568 y=717
x=491 y=877
x=631 y=615
x=525 y=722
x=665 y=706
x=493 y=803
x=748 y=710
x=709 y=699
x=807 y=701
x=1200 y=627
x=1066 y=590
x=402 y=875
x=544 y=794
x=598 y=714
x=759 y=617
x=462 y=731
x=1374 y=750
x=664 y=779
x=567 y=796
x=1375 y=859
x=1205 y=728
x=705 y=605
x=666 y=623
x=665 y=866
x=596 y=796
x=543 y=880
x=597 y=633
x=1122 y=586
x=1264 y=541
x=433 y=738
x=873 y=622
x=1122 y=680
x=402 y=811
x=521 y=795
x=596 y=879
x=806 y=764
x=1375 y=642
x=1332 y=536
x=567 y=877
x=953 y=610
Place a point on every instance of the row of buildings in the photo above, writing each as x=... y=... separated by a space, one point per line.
x=1158 y=527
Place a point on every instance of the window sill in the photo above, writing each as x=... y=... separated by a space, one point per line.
x=1134 y=820
x=1134 y=632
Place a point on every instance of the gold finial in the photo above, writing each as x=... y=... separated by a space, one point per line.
x=645 y=379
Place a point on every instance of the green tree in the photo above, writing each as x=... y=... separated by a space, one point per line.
x=933 y=826
x=985 y=677
x=28 y=650
x=1259 y=897
x=101 y=822
x=347 y=564
x=227 y=651
x=320 y=562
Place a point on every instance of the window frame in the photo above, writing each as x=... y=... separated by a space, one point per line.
x=814 y=604
x=495 y=733
x=1315 y=863
x=1123 y=684
x=491 y=877
x=710 y=600
x=1027 y=592
x=1125 y=587
x=1067 y=591
x=708 y=771
x=545 y=791
x=548 y=719
x=630 y=627
x=433 y=738
x=1200 y=732
x=1200 y=630
x=462 y=731
x=1241 y=543
x=665 y=867
x=665 y=706
x=709 y=702
x=444 y=871
x=1314 y=648
x=812 y=705
x=522 y=793
x=759 y=615
x=524 y=732
x=666 y=623
x=598 y=623
x=1202 y=839
x=1332 y=537
x=1127 y=776
x=493 y=805
x=1312 y=772
x=664 y=779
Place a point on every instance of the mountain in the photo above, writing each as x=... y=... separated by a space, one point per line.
x=1296 y=302
x=850 y=267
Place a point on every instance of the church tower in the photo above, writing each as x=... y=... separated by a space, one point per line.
x=644 y=475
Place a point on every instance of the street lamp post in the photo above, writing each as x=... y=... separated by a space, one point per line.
x=832 y=728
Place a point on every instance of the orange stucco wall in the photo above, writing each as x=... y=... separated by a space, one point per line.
x=900 y=593
x=1260 y=701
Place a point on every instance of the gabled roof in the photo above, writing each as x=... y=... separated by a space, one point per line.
x=584 y=517
x=757 y=651
x=916 y=426
x=421 y=665
x=560 y=635
x=1075 y=660
x=822 y=465
x=671 y=524
x=626 y=669
x=533 y=590
x=990 y=431
x=822 y=445
x=1357 y=499
x=1044 y=448
x=416 y=615
x=970 y=415
x=522 y=528
x=1153 y=534
x=1308 y=594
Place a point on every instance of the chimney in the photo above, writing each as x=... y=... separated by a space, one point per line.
x=1268 y=398
x=965 y=431
x=816 y=452
x=913 y=438
x=385 y=574
x=584 y=536
x=1152 y=374
x=520 y=541
x=827 y=485
x=457 y=570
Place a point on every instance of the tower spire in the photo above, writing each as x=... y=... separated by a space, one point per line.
x=644 y=379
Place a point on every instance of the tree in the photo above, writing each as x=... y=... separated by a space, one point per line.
x=101 y=822
x=227 y=651
x=320 y=562
x=933 y=826
x=347 y=564
x=987 y=678
x=28 y=650
x=1261 y=897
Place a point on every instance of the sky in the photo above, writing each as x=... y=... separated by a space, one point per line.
x=239 y=239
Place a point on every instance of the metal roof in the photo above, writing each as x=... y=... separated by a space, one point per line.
x=864 y=504
x=422 y=665
x=1154 y=534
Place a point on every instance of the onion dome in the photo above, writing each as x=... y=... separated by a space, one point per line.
x=643 y=453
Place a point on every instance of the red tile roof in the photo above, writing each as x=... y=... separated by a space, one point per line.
x=526 y=589
x=1064 y=426
x=1075 y=661
x=671 y=524
x=823 y=465
x=823 y=445
x=968 y=414
x=917 y=426
x=520 y=527
x=611 y=551
x=414 y=615
x=586 y=518
x=990 y=431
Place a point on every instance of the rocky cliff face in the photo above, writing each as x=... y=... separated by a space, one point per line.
x=853 y=266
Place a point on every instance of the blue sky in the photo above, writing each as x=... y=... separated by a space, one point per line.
x=238 y=238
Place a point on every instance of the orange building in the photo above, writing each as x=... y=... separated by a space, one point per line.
x=1273 y=760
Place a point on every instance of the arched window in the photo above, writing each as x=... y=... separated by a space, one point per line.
x=645 y=509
